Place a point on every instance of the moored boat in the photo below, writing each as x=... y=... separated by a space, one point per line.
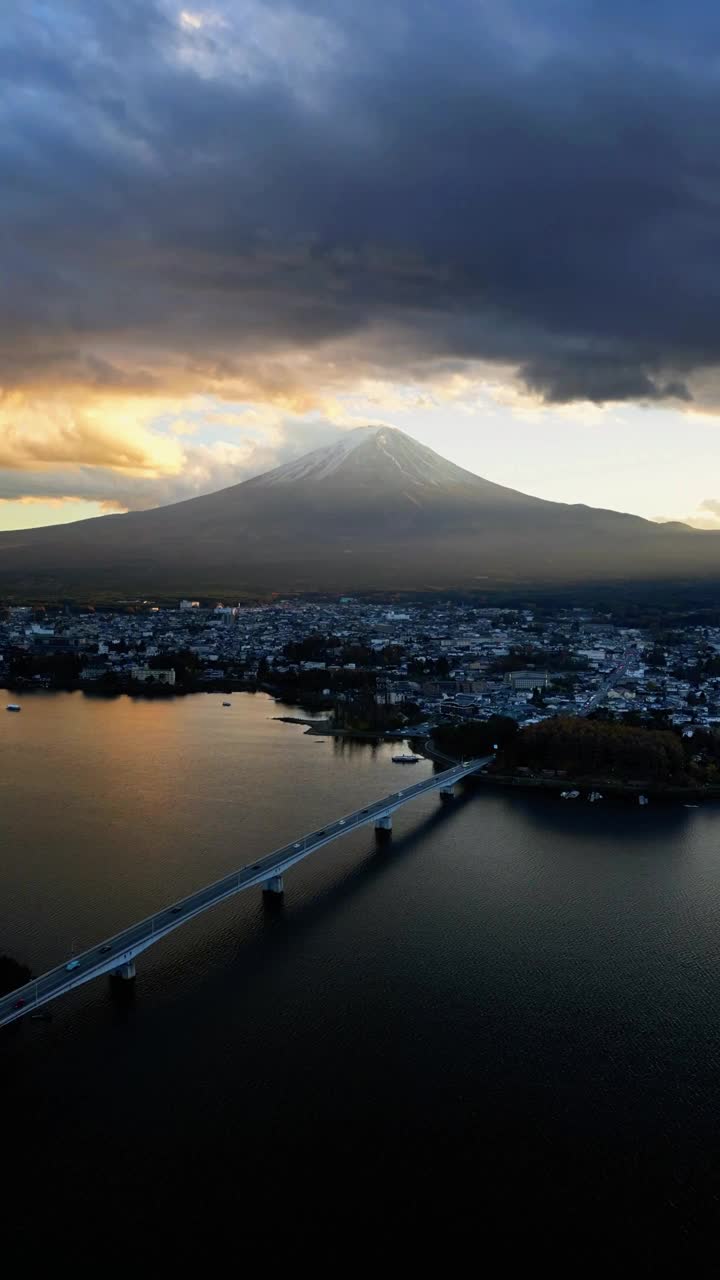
x=13 y=706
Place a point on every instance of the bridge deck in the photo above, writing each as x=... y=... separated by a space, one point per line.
x=121 y=949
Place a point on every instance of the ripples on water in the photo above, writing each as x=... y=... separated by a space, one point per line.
x=509 y=1014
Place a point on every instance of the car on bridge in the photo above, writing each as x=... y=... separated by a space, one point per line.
x=82 y=967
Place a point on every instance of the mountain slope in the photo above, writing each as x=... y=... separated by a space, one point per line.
x=375 y=511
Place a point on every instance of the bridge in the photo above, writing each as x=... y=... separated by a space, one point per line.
x=116 y=955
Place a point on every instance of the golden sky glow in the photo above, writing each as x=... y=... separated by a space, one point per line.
x=230 y=231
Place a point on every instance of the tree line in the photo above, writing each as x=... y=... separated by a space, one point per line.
x=593 y=748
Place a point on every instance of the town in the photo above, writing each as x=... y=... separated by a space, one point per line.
x=377 y=665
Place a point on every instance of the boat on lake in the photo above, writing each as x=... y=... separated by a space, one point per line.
x=13 y=706
x=595 y=795
x=643 y=800
x=405 y=759
x=569 y=795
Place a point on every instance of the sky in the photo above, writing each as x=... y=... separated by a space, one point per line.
x=231 y=231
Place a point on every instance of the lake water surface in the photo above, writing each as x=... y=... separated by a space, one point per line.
x=512 y=1008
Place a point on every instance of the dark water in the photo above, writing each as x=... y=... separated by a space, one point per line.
x=505 y=1022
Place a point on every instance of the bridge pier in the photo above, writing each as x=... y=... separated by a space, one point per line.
x=274 y=885
x=116 y=957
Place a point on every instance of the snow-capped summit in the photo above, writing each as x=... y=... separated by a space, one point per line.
x=322 y=462
x=376 y=455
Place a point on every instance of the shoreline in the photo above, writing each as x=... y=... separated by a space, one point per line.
x=127 y=689
x=421 y=746
x=512 y=782
x=607 y=786
x=323 y=729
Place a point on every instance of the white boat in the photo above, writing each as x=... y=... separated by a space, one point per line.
x=13 y=706
x=405 y=759
x=569 y=795
x=643 y=800
x=595 y=795
x=691 y=806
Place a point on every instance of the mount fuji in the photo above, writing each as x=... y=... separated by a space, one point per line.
x=375 y=511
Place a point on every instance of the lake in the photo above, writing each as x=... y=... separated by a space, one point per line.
x=509 y=1013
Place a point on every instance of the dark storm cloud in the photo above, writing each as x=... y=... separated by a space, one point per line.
x=530 y=183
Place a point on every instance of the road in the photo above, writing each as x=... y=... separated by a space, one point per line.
x=615 y=675
x=120 y=950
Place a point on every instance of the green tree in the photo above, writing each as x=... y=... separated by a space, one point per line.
x=592 y=748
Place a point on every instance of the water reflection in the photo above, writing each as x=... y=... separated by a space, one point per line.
x=612 y=817
x=516 y=998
